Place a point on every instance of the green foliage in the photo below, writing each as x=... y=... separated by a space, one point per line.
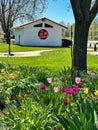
x=27 y=106
x=82 y=117
x=30 y=115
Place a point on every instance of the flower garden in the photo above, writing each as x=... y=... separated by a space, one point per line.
x=33 y=98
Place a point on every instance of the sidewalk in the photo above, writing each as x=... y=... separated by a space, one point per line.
x=35 y=53
x=23 y=54
x=93 y=53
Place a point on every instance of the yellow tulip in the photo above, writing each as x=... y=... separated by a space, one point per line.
x=86 y=90
x=96 y=92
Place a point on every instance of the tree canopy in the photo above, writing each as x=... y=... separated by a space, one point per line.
x=23 y=10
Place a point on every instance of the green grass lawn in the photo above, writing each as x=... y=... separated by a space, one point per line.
x=56 y=59
x=92 y=63
x=17 y=48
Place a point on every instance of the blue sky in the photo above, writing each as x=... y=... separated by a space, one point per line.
x=59 y=10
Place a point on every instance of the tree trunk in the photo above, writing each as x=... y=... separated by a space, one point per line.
x=8 y=42
x=79 y=60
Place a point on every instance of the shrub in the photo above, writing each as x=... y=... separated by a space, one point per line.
x=66 y=43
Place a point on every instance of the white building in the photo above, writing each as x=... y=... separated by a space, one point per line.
x=42 y=32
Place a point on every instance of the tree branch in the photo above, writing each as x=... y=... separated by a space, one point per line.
x=94 y=11
x=77 y=10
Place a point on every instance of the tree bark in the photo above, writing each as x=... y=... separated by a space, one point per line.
x=79 y=61
x=8 y=42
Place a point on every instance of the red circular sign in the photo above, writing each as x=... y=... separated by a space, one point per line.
x=43 y=34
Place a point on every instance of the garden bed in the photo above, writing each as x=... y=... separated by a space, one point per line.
x=35 y=98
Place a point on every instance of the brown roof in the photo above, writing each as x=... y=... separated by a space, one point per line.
x=22 y=25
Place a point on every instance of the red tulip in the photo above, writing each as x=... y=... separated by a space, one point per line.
x=65 y=101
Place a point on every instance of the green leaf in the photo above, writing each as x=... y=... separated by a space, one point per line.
x=63 y=121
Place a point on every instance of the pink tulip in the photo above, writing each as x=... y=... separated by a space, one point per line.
x=77 y=80
x=56 y=89
x=70 y=91
x=42 y=86
x=76 y=88
x=49 y=80
x=64 y=90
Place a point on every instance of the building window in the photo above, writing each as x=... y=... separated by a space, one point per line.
x=48 y=26
x=38 y=25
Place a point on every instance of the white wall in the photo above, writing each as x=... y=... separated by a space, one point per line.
x=19 y=36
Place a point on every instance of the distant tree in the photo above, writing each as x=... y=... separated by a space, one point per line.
x=84 y=13
x=13 y=10
x=66 y=33
x=93 y=31
x=95 y=24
